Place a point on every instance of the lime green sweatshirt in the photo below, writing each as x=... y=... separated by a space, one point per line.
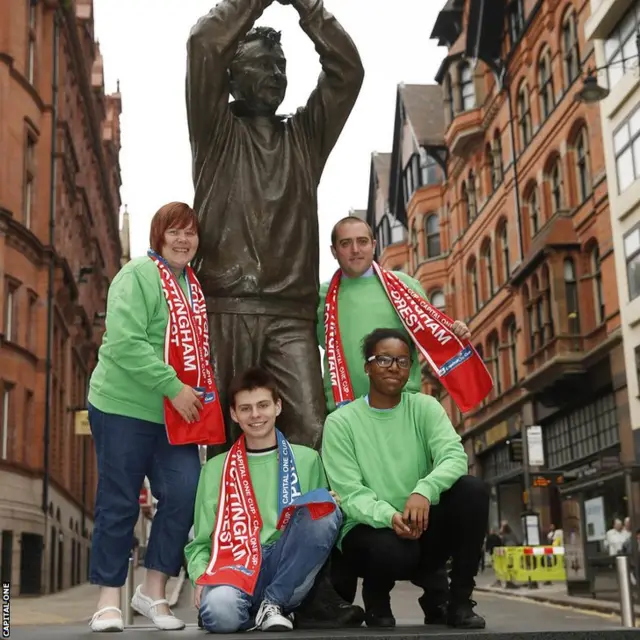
x=131 y=378
x=363 y=306
x=375 y=459
x=263 y=468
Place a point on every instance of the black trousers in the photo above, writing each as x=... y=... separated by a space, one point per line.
x=288 y=349
x=456 y=531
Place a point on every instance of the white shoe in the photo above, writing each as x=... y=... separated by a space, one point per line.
x=145 y=606
x=99 y=624
x=270 y=618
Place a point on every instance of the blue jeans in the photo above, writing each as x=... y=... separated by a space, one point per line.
x=127 y=450
x=289 y=568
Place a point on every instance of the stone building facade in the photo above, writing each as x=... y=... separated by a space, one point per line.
x=59 y=249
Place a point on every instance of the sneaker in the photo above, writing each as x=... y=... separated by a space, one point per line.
x=271 y=618
x=462 y=616
x=147 y=607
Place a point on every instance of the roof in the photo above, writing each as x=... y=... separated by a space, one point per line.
x=424 y=105
x=382 y=167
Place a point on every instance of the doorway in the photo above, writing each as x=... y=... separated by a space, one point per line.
x=31 y=564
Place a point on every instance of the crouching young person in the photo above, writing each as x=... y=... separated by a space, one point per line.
x=265 y=522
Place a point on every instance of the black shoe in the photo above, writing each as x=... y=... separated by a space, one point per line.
x=377 y=608
x=323 y=608
x=462 y=616
x=200 y=625
x=433 y=613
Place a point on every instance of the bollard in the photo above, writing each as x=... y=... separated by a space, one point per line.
x=125 y=596
x=626 y=600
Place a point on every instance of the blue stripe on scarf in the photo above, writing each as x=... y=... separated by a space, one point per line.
x=288 y=482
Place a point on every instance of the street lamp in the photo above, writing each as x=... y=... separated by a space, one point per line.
x=591 y=91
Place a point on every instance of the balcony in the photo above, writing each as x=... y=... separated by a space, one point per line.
x=560 y=369
x=465 y=131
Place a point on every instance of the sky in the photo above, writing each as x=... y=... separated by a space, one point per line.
x=143 y=43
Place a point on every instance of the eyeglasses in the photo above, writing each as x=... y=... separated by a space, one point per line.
x=385 y=362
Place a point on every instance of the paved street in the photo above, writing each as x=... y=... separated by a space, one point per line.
x=505 y=615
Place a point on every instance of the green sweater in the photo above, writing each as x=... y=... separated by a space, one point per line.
x=263 y=469
x=376 y=459
x=363 y=306
x=131 y=378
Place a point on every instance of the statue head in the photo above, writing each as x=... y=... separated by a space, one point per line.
x=258 y=72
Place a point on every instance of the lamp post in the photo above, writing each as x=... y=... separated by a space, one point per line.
x=591 y=91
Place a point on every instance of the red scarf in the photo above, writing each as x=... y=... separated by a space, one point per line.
x=456 y=365
x=186 y=350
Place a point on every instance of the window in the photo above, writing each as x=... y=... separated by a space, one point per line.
x=534 y=212
x=516 y=20
x=513 y=354
x=571 y=293
x=10 y=308
x=555 y=184
x=28 y=427
x=432 y=231
x=494 y=363
x=596 y=270
x=487 y=259
x=632 y=256
x=475 y=291
x=31 y=46
x=7 y=419
x=546 y=294
x=503 y=236
x=467 y=90
x=524 y=116
x=626 y=147
x=29 y=181
x=570 y=48
x=437 y=300
x=497 y=157
x=620 y=50
x=429 y=169
x=414 y=246
x=472 y=208
x=545 y=78
x=582 y=166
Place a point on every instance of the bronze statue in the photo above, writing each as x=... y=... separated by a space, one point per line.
x=256 y=176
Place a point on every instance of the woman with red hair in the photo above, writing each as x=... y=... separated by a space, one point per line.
x=127 y=410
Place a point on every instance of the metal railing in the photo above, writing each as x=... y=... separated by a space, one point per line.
x=126 y=594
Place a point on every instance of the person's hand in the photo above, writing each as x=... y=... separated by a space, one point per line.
x=335 y=496
x=460 y=330
x=400 y=527
x=416 y=513
x=197 y=594
x=187 y=404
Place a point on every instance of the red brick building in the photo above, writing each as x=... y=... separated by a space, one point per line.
x=59 y=249
x=497 y=175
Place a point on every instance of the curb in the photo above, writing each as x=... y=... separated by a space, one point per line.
x=597 y=605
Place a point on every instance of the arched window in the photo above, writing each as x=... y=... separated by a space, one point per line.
x=473 y=287
x=583 y=178
x=538 y=304
x=471 y=195
x=546 y=294
x=570 y=48
x=497 y=155
x=414 y=245
x=432 y=233
x=598 y=294
x=571 y=295
x=491 y=167
x=533 y=206
x=513 y=352
x=555 y=186
x=545 y=79
x=465 y=203
x=524 y=116
x=467 y=90
x=503 y=239
x=437 y=300
x=487 y=266
x=493 y=348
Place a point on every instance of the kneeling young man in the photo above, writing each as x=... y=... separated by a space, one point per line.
x=401 y=473
x=265 y=522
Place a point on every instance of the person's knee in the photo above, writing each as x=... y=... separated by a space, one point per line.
x=222 y=609
x=473 y=490
x=323 y=532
